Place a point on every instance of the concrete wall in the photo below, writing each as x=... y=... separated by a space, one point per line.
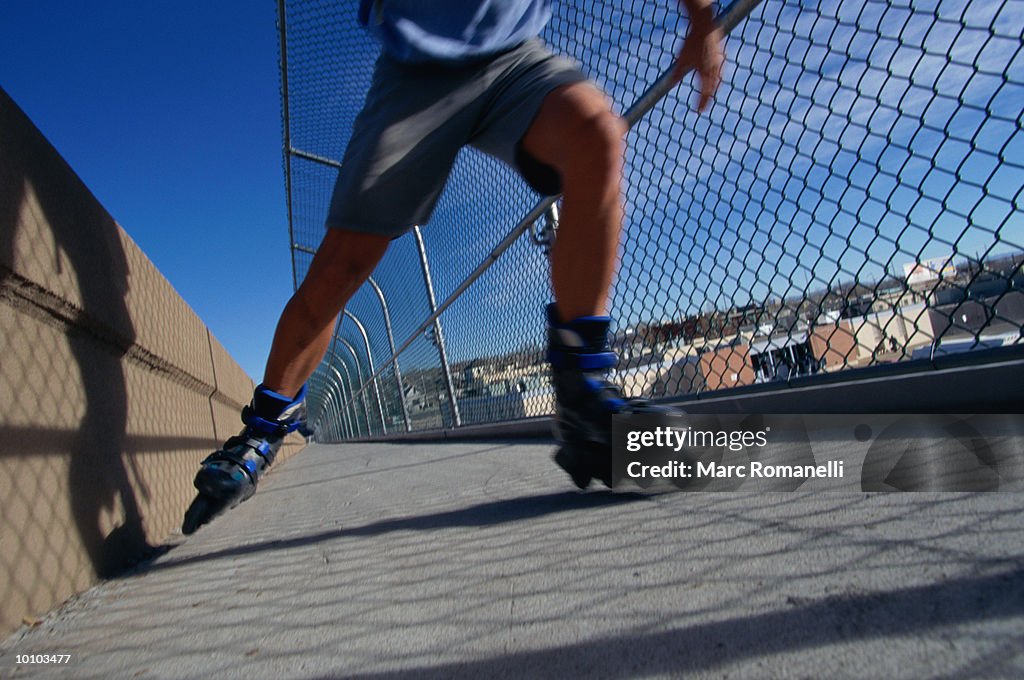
x=111 y=388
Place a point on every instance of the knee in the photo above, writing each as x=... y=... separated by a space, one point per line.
x=597 y=144
x=326 y=288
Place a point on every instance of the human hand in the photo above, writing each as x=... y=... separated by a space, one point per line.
x=702 y=51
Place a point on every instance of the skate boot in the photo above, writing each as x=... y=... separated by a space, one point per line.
x=580 y=360
x=229 y=476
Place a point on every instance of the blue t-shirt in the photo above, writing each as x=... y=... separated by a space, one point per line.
x=452 y=30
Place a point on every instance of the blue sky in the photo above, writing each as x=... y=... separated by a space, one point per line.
x=170 y=114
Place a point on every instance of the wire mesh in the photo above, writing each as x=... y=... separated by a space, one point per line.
x=852 y=198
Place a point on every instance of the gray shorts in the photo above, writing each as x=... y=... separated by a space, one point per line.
x=417 y=117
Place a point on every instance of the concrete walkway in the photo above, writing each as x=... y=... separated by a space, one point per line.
x=479 y=559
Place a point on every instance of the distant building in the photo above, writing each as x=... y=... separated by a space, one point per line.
x=727 y=366
x=929 y=271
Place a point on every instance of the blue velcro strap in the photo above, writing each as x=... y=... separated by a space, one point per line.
x=276 y=395
x=613 y=404
x=583 y=361
x=284 y=408
x=264 y=426
x=286 y=401
x=600 y=360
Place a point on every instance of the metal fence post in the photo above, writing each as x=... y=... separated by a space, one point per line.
x=362 y=383
x=394 y=353
x=352 y=390
x=327 y=409
x=373 y=372
x=340 y=423
x=348 y=403
x=312 y=397
x=544 y=232
x=344 y=425
x=446 y=369
x=327 y=406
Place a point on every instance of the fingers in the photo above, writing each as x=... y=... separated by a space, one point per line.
x=710 y=73
x=703 y=53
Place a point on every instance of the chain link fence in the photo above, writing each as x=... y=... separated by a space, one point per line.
x=851 y=199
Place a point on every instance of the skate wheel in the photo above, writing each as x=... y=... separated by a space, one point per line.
x=575 y=464
x=196 y=515
x=203 y=509
x=600 y=468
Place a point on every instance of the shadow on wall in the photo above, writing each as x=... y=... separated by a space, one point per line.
x=89 y=254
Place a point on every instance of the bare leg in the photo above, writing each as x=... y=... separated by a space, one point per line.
x=341 y=264
x=577 y=133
